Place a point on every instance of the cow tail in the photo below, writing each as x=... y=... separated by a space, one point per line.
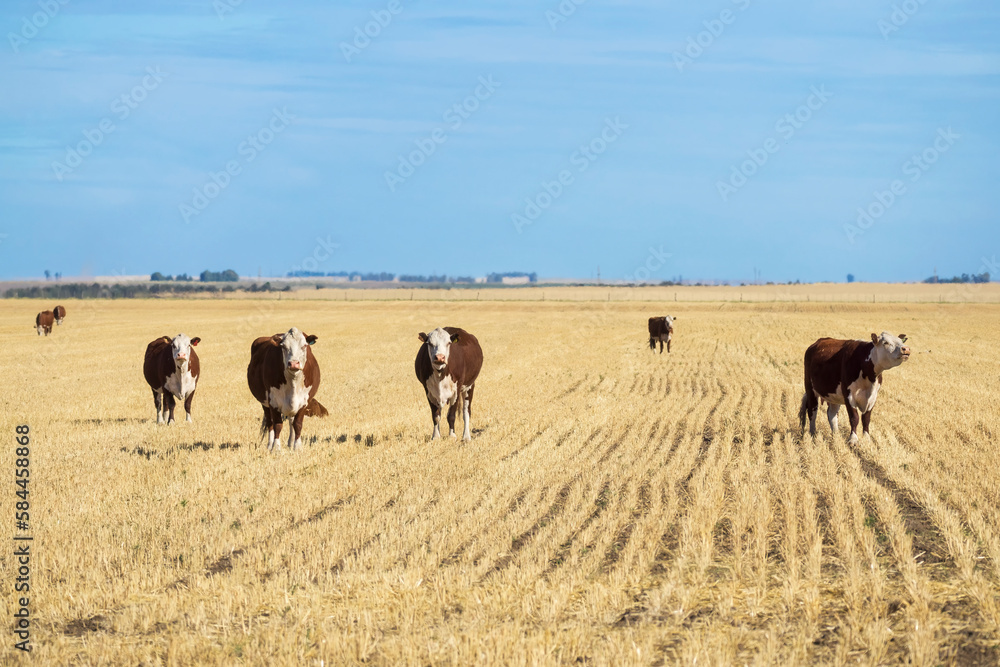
x=652 y=343
x=263 y=428
x=804 y=407
x=315 y=409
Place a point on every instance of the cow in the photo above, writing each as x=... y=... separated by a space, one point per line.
x=660 y=329
x=60 y=314
x=849 y=373
x=447 y=365
x=43 y=322
x=284 y=376
x=172 y=369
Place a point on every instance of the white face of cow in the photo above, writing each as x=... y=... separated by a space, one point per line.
x=180 y=348
x=438 y=347
x=890 y=351
x=670 y=323
x=294 y=349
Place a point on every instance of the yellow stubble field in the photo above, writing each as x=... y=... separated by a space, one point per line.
x=616 y=506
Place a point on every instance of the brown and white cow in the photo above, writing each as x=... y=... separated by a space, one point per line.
x=661 y=329
x=284 y=376
x=447 y=366
x=43 y=322
x=172 y=369
x=849 y=373
x=60 y=314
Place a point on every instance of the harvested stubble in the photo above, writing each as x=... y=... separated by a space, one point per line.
x=615 y=505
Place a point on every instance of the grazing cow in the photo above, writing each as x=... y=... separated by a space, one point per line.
x=43 y=322
x=447 y=366
x=284 y=376
x=849 y=373
x=660 y=329
x=60 y=314
x=172 y=369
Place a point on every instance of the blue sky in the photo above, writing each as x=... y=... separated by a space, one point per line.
x=702 y=140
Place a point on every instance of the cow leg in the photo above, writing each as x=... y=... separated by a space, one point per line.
x=467 y=414
x=661 y=345
x=170 y=405
x=266 y=426
x=832 y=410
x=277 y=421
x=187 y=406
x=296 y=430
x=652 y=344
x=436 y=418
x=452 y=414
x=156 y=404
x=668 y=344
x=866 y=420
x=852 y=414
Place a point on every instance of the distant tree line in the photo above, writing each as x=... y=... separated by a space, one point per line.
x=181 y=277
x=128 y=290
x=227 y=276
x=964 y=278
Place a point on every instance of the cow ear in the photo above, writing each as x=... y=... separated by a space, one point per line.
x=422 y=336
x=312 y=338
x=454 y=337
x=902 y=337
x=875 y=338
x=195 y=341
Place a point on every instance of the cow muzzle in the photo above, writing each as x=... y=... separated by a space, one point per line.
x=295 y=365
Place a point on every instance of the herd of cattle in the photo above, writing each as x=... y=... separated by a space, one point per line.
x=284 y=376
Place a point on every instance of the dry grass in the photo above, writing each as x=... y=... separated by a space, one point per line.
x=615 y=506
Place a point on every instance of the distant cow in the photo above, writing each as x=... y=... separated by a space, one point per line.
x=171 y=369
x=60 y=314
x=43 y=322
x=661 y=329
x=848 y=372
x=284 y=377
x=447 y=366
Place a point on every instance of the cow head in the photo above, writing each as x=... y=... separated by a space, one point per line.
x=670 y=323
x=438 y=346
x=295 y=349
x=180 y=348
x=890 y=351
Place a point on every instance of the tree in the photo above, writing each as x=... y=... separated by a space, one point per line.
x=47 y=274
x=850 y=277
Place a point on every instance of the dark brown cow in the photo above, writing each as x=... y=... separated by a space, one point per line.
x=284 y=377
x=172 y=369
x=60 y=314
x=848 y=372
x=43 y=322
x=661 y=329
x=447 y=366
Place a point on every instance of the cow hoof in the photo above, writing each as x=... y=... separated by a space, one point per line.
x=454 y=436
x=467 y=438
x=853 y=440
x=189 y=420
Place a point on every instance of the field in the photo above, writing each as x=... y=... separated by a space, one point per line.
x=615 y=506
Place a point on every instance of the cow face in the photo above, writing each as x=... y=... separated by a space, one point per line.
x=438 y=346
x=295 y=349
x=180 y=348
x=669 y=321
x=890 y=351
